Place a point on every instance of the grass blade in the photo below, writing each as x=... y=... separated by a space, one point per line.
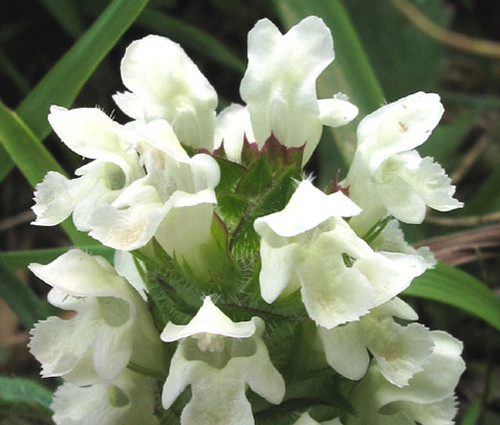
x=65 y=80
x=14 y=260
x=452 y=286
x=191 y=37
x=32 y=158
x=21 y=299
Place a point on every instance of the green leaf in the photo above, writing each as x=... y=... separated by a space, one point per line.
x=452 y=286
x=18 y=139
x=14 y=260
x=66 y=13
x=65 y=80
x=21 y=299
x=408 y=62
x=63 y=83
x=190 y=37
x=26 y=398
x=487 y=197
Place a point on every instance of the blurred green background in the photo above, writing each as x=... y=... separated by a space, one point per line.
x=381 y=55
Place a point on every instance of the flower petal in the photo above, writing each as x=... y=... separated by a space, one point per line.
x=279 y=83
x=112 y=350
x=438 y=379
x=56 y=197
x=131 y=220
x=337 y=111
x=308 y=207
x=166 y=84
x=211 y=320
x=58 y=345
x=82 y=275
x=278 y=270
x=429 y=180
x=398 y=127
x=345 y=350
x=232 y=126
x=400 y=351
x=91 y=133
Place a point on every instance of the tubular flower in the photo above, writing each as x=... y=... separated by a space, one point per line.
x=308 y=245
x=387 y=175
x=400 y=351
x=427 y=400
x=165 y=83
x=219 y=358
x=279 y=89
x=128 y=399
x=112 y=326
x=141 y=184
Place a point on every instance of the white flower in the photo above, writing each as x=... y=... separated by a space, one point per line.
x=164 y=83
x=400 y=351
x=141 y=184
x=112 y=326
x=173 y=202
x=308 y=245
x=92 y=134
x=427 y=400
x=392 y=239
x=305 y=419
x=128 y=399
x=219 y=358
x=279 y=85
x=387 y=175
x=232 y=126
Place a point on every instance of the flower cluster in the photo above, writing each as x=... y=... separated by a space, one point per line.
x=238 y=285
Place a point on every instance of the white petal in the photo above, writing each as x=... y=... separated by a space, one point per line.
x=158 y=134
x=232 y=126
x=401 y=351
x=59 y=345
x=392 y=239
x=308 y=207
x=209 y=319
x=430 y=181
x=440 y=413
x=206 y=172
x=91 y=133
x=345 y=350
x=168 y=85
x=131 y=220
x=282 y=98
x=187 y=225
x=336 y=112
x=398 y=308
x=261 y=375
x=112 y=350
x=82 y=275
x=130 y=105
x=126 y=267
x=438 y=379
x=305 y=419
x=399 y=126
x=390 y=273
x=56 y=197
x=127 y=400
x=278 y=269
x=218 y=395
x=332 y=293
